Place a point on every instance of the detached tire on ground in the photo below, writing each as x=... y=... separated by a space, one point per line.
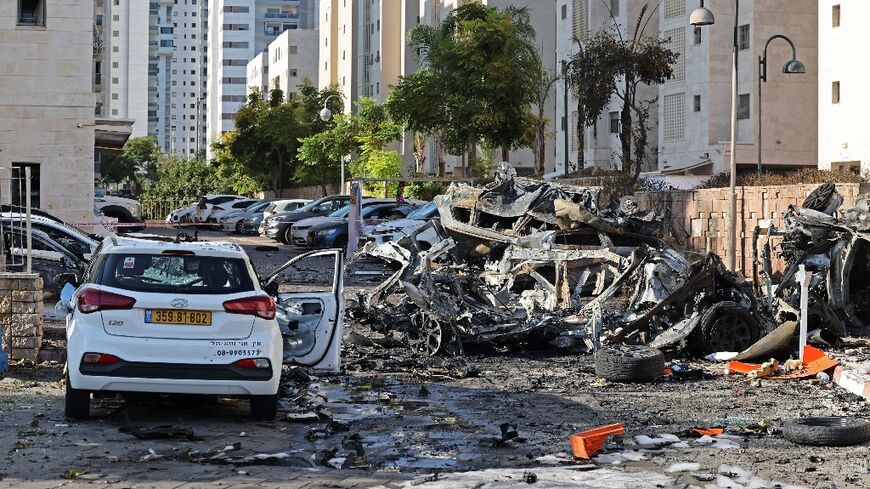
x=629 y=363
x=827 y=431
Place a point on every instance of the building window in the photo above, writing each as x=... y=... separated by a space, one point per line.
x=835 y=16
x=564 y=11
x=614 y=123
x=835 y=92
x=293 y=49
x=18 y=184
x=698 y=37
x=31 y=12
x=675 y=40
x=674 y=8
x=674 y=111
x=743 y=37
x=614 y=7
x=743 y=106
x=697 y=103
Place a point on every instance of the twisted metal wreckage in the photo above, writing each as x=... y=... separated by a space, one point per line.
x=526 y=260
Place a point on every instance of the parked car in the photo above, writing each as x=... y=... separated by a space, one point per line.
x=288 y=205
x=277 y=226
x=48 y=257
x=73 y=239
x=192 y=318
x=125 y=210
x=334 y=233
x=199 y=211
x=299 y=230
x=252 y=224
x=396 y=229
x=232 y=220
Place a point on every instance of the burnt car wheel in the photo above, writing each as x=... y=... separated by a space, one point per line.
x=426 y=335
x=629 y=363
x=725 y=326
x=827 y=431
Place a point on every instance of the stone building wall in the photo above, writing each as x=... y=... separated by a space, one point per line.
x=21 y=315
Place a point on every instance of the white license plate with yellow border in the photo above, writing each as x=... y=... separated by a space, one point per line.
x=173 y=316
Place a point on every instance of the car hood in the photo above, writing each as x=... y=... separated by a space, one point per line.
x=292 y=216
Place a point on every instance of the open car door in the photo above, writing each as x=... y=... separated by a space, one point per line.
x=311 y=317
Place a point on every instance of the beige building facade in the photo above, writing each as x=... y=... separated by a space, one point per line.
x=843 y=82
x=695 y=107
x=48 y=103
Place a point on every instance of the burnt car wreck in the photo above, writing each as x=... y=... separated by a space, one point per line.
x=523 y=260
x=831 y=243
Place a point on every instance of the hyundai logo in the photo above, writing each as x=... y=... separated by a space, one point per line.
x=179 y=303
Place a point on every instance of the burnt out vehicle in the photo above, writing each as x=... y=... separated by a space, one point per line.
x=530 y=261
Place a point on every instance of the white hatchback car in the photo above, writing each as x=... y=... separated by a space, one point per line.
x=192 y=318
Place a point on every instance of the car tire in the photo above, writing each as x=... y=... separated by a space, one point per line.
x=829 y=431
x=629 y=363
x=264 y=407
x=239 y=227
x=286 y=237
x=340 y=242
x=725 y=326
x=77 y=403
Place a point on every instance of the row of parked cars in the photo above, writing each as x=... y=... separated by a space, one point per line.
x=321 y=223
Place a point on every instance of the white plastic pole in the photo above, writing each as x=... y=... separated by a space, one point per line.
x=804 y=278
x=29 y=233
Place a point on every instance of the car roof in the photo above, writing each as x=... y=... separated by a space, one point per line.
x=122 y=244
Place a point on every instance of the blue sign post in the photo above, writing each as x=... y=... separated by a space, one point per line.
x=4 y=359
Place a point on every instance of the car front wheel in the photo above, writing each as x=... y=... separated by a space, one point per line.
x=287 y=238
x=77 y=404
x=264 y=407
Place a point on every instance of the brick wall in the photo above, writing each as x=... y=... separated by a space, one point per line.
x=21 y=314
x=699 y=218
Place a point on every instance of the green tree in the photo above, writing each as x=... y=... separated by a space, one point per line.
x=233 y=172
x=267 y=137
x=183 y=179
x=621 y=64
x=546 y=80
x=137 y=161
x=478 y=79
x=320 y=154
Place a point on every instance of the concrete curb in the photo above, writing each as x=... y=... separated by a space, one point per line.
x=852 y=381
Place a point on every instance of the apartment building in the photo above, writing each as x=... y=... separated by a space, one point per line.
x=338 y=60
x=126 y=42
x=238 y=31
x=843 y=142
x=48 y=104
x=695 y=106
x=258 y=73
x=576 y=20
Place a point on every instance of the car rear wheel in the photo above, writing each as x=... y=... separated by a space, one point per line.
x=239 y=226
x=287 y=238
x=264 y=407
x=77 y=403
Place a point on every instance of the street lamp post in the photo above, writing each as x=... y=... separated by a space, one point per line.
x=325 y=116
x=566 y=65
x=700 y=17
x=792 y=66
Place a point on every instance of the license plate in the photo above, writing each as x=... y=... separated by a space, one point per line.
x=172 y=316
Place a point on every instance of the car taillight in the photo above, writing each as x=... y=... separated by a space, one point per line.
x=253 y=363
x=100 y=358
x=93 y=300
x=178 y=252
x=259 y=305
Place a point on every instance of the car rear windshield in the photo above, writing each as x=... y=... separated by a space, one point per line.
x=176 y=274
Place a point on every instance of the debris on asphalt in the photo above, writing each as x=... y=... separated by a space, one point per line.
x=587 y=443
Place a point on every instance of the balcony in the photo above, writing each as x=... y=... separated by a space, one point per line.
x=281 y=15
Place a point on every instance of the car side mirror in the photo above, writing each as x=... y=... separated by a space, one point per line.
x=62 y=279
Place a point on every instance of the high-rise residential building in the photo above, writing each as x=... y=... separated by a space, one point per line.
x=842 y=136
x=287 y=64
x=48 y=105
x=155 y=69
x=338 y=45
x=576 y=20
x=176 y=75
x=126 y=43
x=238 y=31
x=695 y=105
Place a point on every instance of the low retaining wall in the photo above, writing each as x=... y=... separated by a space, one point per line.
x=699 y=218
x=21 y=315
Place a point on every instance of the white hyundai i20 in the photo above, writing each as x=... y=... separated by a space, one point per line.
x=192 y=318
